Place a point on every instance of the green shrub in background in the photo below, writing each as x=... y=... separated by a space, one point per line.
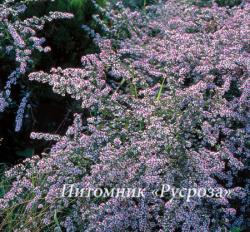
x=201 y=3
x=230 y=3
x=207 y=3
x=138 y=4
x=82 y=9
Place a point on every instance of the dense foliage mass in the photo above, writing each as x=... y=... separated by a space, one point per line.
x=168 y=102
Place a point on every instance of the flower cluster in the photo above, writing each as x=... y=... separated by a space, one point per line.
x=87 y=85
x=169 y=104
x=20 y=112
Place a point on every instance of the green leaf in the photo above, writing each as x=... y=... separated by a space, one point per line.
x=235 y=229
x=161 y=89
x=57 y=221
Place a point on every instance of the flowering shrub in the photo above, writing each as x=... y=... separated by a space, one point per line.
x=19 y=40
x=168 y=104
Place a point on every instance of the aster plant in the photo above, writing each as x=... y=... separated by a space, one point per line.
x=168 y=102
